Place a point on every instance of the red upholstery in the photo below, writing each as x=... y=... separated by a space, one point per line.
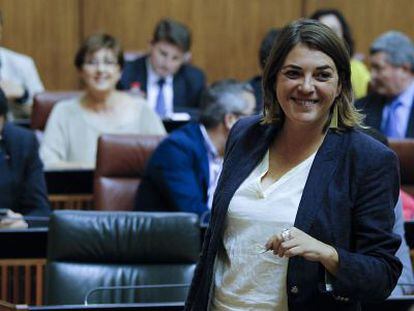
x=405 y=151
x=121 y=161
x=43 y=104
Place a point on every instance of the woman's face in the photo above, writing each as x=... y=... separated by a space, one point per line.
x=101 y=70
x=306 y=86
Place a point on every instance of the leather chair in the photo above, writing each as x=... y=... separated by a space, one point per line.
x=90 y=249
x=405 y=150
x=43 y=104
x=120 y=165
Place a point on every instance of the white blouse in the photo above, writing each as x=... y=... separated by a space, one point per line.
x=72 y=132
x=244 y=277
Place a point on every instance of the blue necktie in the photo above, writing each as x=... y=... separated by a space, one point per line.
x=390 y=127
x=160 y=103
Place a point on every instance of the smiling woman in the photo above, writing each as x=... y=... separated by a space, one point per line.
x=74 y=126
x=307 y=86
x=304 y=183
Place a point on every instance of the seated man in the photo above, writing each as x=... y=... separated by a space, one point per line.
x=390 y=107
x=182 y=173
x=18 y=79
x=168 y=82
x=22 y=183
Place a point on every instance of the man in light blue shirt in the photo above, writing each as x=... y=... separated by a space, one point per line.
x=389 y=108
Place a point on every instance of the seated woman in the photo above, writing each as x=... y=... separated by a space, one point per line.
x=73 y=128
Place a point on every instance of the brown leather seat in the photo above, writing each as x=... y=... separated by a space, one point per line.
x=120 y=164
x=405 y=151
x=43 y=104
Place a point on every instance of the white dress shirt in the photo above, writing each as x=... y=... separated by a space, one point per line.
x=20 y=69
x=215 y=164
x=153 y=89
x=402 y=112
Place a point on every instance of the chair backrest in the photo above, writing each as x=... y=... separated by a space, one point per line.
x=90 y=249
x=43 y=104
x=404 y=148
x=120 y=165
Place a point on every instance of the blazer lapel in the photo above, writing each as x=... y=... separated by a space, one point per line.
x=203 y=156
x=179 y=91
x=375 y=112
x=320 y=175
x=142 y=74
x=243 y=160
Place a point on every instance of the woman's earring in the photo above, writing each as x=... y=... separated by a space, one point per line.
x=334 y=117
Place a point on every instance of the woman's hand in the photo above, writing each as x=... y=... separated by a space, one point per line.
x=298 y=243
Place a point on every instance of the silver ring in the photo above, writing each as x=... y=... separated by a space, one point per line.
x=286 y=235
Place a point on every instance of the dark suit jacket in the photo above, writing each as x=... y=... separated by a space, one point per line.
x=347 y=202
x=177 y=175
x=188 y=83
x=22 y=182
x=372 y=106
x=256 y=83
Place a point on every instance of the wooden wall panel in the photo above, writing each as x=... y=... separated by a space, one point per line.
x=48 y=31
x=369 y=18
x=226 y=33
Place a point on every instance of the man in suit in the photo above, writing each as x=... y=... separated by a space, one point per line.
x=164 y=76
x=183 y=171
x=19 y=79
x=390 y=107
x=22 y=184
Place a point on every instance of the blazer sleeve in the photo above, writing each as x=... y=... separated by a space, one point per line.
x=370 y=271
x=33 y=193
x=173 y=171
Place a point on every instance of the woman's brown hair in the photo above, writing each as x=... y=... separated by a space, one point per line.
x=319 y=37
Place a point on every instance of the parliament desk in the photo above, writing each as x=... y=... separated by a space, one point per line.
x=70 y=188
x=392 y=304
x=109 y=307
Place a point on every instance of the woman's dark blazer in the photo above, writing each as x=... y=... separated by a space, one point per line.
x=347 y=202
